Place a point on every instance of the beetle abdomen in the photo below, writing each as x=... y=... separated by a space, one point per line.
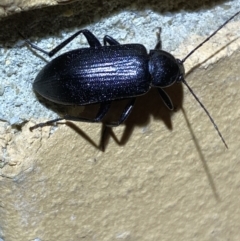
x=93 y=75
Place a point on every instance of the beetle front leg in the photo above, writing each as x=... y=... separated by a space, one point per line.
x=91 y=38
x=126 y=112
x=159 y=40
x=166 y=99
x=110 y=41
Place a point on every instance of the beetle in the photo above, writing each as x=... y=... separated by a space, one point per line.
x=102 y=74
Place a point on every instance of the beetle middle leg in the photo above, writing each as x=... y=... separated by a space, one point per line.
x=126 y=112
x=104 y=107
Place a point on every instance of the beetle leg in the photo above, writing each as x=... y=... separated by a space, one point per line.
x=126 y=112
x=91 y=38
x=47 y=123
x=166 y=99
x=104 y=107
x=159 y=41
x=110 y=41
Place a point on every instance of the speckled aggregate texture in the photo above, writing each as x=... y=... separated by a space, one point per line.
x=164 y=175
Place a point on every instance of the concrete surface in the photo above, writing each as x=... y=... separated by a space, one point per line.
x=169 y=177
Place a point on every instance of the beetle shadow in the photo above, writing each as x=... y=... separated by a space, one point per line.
x=203 y=161
x=146 y=106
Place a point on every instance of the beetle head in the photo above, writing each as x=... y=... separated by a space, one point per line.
x=165 y=70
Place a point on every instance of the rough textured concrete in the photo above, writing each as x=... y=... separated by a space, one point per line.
x=169 y=178
x=9 y=7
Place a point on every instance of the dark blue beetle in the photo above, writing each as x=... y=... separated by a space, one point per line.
x=102 y=74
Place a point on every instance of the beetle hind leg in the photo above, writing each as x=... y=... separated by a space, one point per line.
x=91 y=39
x=104 y=107
x=47 y=123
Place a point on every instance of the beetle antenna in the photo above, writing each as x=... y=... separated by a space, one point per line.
x=183 y=60
x=211 y=119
